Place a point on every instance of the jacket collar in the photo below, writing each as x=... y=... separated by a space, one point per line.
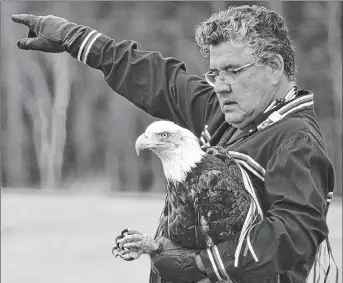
x=277 y=111
x=295 y=100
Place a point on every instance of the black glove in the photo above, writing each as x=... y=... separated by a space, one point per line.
x=175 y=263
x=46 y=33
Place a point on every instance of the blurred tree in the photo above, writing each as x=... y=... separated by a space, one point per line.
x=102 y=126
x=38 y=103
x=145 y=161
x=62 y=83
x=334 y=47
x=13 y=137
x=218 y=6
x=276 y=6
x=123 y=163
x=81 y=127
x=48 y=106
x=12 y=157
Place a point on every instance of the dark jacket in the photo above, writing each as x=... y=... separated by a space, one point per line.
x=284 y=155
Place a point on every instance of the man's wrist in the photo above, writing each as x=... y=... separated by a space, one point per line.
x=158 y=249
x=176 y=263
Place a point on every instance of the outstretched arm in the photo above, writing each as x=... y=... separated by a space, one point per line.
x=159 y=86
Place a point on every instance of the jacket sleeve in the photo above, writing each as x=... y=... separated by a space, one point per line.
x=298 y=177
x=159 y=86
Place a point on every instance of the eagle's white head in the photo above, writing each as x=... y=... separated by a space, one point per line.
x=177 y=147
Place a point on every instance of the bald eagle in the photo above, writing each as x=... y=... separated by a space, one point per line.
x=206 y=201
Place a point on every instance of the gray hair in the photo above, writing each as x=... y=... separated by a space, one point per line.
x=259 y=28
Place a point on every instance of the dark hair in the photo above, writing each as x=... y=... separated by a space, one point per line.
x=261 y=29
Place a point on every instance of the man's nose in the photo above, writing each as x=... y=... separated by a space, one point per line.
x=220 y=86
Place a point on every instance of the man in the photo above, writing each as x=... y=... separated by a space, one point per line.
x=250 y=105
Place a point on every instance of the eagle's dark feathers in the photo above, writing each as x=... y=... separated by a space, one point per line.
x=206 y=201
x=212 y=190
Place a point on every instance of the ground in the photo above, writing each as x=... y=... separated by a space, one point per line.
x=67 y=237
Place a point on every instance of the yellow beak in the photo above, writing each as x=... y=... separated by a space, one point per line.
x=142 y=142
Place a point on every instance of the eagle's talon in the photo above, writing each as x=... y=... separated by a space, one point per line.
x=113 y=250
x=117 y=241
x=122 y=257
x=119 y=237
x=125 y=231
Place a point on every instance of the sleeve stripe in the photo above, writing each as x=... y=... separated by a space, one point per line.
x=219 y=261
x=213 y=264
x=84 y=43
x=305 y=104
x=243 y=234
x=204 y=143
x=250 y=188
x=246 y=158
x=250 y=246
x=206 y=132
x=251 y=217
x=295 y=103
x=89 y=48
x=292 y=106
x=250 y=169
x=329 y=197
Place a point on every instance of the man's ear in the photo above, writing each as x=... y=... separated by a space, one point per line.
x=276 y=65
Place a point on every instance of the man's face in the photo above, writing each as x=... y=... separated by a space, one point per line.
x=251 y=91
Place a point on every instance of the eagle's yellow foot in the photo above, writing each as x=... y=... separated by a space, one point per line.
x=137 y=241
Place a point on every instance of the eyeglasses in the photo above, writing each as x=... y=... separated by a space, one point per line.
x=230 y=75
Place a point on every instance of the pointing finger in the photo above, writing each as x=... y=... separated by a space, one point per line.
x=26 y=19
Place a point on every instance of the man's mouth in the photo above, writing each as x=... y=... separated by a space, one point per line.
x=228 y=104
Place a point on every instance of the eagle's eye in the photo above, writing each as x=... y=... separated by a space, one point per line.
x=164 y=135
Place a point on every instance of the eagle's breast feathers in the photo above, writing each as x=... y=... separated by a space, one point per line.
x=206 y=201
x=211 y=205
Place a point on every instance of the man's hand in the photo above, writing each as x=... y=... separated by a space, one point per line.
x=177 y=264
x=46 y=33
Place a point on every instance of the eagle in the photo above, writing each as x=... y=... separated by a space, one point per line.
x=206 y=200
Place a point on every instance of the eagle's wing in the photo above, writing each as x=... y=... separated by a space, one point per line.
x=180 y=215
x=221 y=201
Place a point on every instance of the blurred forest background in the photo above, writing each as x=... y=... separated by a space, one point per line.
x=62 y=126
